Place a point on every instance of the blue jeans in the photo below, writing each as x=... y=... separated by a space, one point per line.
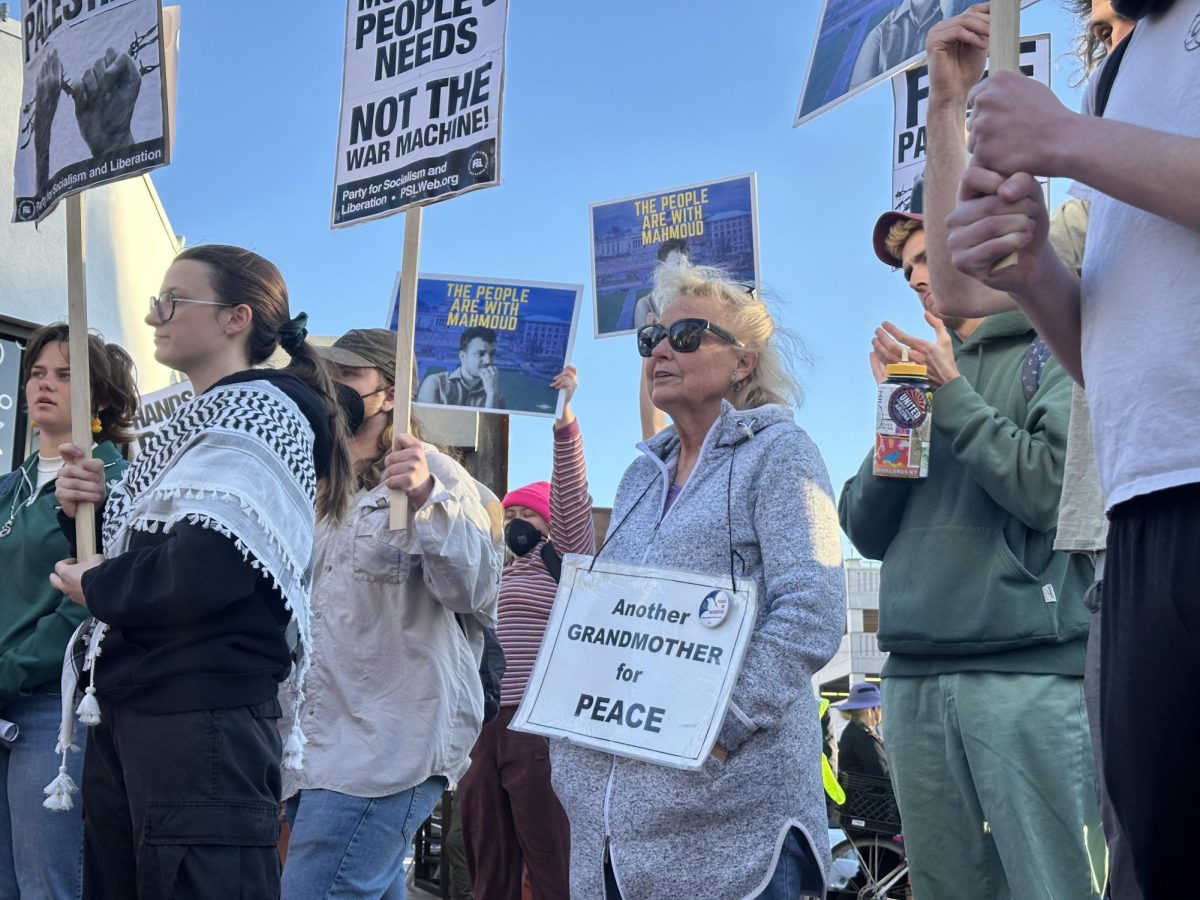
x=41 y=852
x=796 y=874
x=344 y=846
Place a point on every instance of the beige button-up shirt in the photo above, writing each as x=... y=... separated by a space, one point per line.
x=393 y=696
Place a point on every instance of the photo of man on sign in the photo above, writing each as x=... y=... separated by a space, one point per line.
x=476 y=381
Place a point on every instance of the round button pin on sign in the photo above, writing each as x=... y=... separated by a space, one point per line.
x=713 y=609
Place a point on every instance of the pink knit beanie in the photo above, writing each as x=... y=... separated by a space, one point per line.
x=536 y=496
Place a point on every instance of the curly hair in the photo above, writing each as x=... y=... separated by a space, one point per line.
x=1089 y=49
x=899 y=234
x=772 y=379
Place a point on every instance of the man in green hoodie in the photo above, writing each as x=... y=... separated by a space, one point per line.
x=983 y=621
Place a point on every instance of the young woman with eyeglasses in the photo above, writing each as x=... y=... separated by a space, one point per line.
x=733 y=479
x=201 y=597
x=40 y=851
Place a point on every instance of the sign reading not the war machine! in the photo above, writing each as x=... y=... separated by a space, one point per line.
x=910 y=90
x=639 y=662
x=709 y=224
x=859 y=43
x=94 y=100
x=421 y=96
x=491 y=344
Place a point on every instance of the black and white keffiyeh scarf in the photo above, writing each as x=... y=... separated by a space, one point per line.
x=237 y=459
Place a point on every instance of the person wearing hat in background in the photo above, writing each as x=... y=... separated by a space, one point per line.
x=511 y=815
x=860 y=748
x=392 y=702
x=983 y=620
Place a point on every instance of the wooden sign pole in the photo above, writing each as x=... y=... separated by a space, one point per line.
x=406 y=315
x=1004 y=54
x=81 y=382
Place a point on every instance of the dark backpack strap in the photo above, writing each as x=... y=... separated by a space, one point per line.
x=553 y=561
x=1031 y=368
x=491 y=673
x=1107 y=75
x=492 y=667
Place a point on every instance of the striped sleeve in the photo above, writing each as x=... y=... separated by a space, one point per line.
x=527 y=591
x=571 y=529
x=526 y=597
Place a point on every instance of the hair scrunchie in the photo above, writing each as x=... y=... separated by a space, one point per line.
x=293 y=334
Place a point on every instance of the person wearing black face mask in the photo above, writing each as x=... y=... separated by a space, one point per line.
x=393 y=701
x=510 y=812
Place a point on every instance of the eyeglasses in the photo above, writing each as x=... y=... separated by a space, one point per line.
x=163 y=306
x=684 y=335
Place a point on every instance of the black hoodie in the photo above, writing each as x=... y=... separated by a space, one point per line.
x=191 y=624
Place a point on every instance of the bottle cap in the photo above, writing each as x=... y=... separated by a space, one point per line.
x=905 y=366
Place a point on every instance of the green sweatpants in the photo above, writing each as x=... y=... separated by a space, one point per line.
x=995 y=783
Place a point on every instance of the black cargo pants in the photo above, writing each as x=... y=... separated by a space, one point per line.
x=183 y=805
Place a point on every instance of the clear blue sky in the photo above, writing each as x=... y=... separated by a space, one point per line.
x=602 y=100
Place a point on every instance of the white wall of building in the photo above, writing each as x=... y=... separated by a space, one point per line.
x=858 y=657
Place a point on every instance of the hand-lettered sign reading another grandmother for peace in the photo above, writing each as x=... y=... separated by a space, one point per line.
x=638 y=661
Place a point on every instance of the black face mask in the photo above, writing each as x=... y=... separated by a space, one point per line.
x=520 y=536
x=352 y=406
x=1139 y=9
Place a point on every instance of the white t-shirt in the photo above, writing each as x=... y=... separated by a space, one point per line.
x=1140 y=296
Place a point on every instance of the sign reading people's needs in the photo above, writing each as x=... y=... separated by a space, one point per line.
x=639 y=662
x=421 y=93
x=94 y=104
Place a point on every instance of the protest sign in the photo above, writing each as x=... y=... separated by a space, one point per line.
x=639 y=662
x=156 y=407
x=421 y=96
x=910 y=91
x=94 y=102
x=859 y=43
x=714 y=223
x=491 y=344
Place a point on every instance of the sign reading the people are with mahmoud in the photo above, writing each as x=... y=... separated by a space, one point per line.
x=94 y=100
x=639 y=661
x=491 y=344
x=421 y=96
x=714 y=223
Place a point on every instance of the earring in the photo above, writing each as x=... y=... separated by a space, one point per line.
x=735 y=386
x=96 y=426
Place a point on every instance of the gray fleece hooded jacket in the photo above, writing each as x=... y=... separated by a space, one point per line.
x=717 y=833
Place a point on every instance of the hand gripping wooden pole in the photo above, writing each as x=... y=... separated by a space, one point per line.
x=406 y=314
x=1004 y=54
x=81 y=382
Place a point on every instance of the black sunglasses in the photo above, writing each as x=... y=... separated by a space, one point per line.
x=684 y=335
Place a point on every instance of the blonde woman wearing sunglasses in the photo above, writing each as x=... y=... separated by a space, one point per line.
x=733 y=478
